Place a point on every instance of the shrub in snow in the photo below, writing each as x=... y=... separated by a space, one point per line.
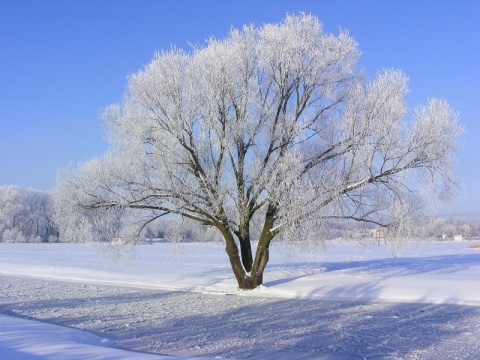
x=13 y=236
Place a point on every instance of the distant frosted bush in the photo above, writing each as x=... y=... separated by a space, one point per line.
x=13 y=236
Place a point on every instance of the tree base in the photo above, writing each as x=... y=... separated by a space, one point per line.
x=250 y=283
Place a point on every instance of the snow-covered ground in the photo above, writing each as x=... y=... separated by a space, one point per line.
x=22 y=339
x=353 y=300
x=427 y=272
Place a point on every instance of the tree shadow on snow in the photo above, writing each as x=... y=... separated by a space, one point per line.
x=183 y=323
x=316 y=327
x=387 y=267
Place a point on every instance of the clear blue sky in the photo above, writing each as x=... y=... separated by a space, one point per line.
x=62 y=61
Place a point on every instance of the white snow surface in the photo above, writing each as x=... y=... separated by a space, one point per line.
x=180 y=288
x=25 y=339
x=427 y=272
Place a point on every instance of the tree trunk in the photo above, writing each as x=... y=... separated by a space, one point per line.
x=249 y=273
x=263 y=249
x=251 y=282
x=234 y=256
x=247 y=280
x=246 y=251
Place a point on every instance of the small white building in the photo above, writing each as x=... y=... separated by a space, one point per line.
x=457 y=237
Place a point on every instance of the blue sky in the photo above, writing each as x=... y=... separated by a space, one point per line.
x=62 y=61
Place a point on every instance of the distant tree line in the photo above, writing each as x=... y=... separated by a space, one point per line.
x=449 y=227
x=428 y=228
x=26 y=216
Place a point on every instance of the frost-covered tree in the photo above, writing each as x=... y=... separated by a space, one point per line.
x=25 y=215
x=273 y=126
x=453 y=226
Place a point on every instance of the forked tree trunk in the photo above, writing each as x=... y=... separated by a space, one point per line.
x=252 y=280
x=247 y=280
x=249 y=273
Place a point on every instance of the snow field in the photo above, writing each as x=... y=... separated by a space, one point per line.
x=428 y=272
x=193 y=324
x=164 y=302
x=22 y=339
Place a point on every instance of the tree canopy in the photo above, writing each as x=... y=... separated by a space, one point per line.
x=271 y=132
